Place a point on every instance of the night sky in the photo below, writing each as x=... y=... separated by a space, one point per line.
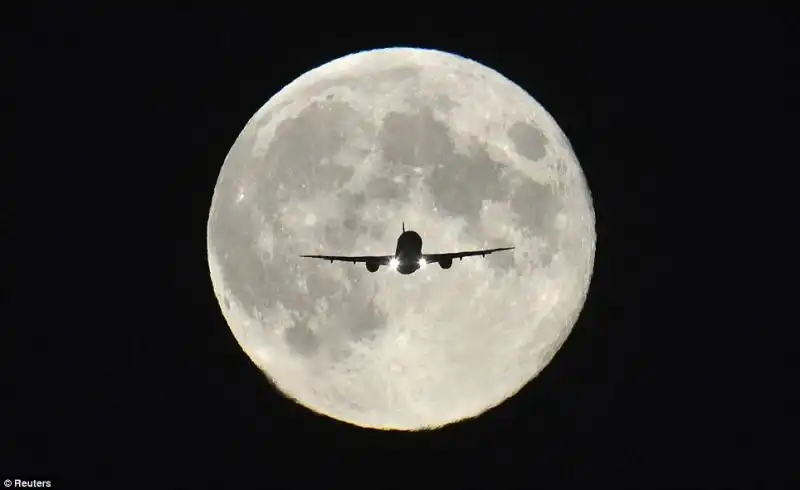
x=670 y=378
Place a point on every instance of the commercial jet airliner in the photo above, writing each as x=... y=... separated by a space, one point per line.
x=408 y=256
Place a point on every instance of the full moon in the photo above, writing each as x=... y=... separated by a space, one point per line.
x=333 y=164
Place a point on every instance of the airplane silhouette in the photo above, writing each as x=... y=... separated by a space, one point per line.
x=408 y=256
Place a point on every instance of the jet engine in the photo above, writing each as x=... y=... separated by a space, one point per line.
x=373 y=266
x=446 y=263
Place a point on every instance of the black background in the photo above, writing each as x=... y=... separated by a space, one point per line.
x=118 y=368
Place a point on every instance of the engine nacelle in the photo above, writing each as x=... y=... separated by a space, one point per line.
x=446 y=263
x=373 y=266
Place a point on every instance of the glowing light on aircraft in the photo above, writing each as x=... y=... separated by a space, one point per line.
x=393 y=264
x=423 y=262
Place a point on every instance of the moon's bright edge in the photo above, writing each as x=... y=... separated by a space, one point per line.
x=332 y=164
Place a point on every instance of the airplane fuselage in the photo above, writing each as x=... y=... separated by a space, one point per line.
x=408 y=252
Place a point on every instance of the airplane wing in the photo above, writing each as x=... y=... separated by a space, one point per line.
x=380 y=259
x=430 y=258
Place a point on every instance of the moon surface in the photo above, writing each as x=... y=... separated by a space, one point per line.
x=332 y=164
